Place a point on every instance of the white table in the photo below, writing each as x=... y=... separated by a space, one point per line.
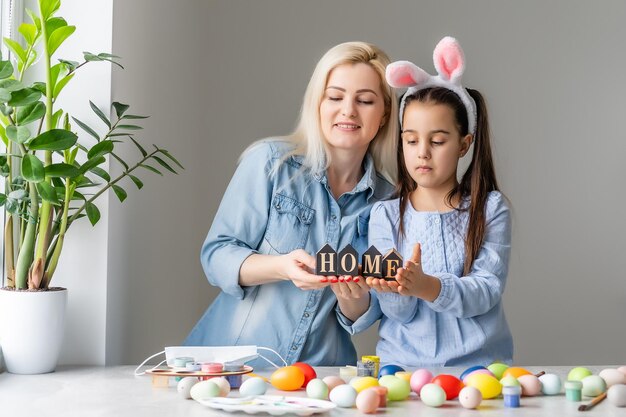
x=115 y=391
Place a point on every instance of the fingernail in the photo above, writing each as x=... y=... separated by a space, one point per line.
x=324 y=280
x=348 y=279
x=341 y=279
x=333 y=280
x=356 y=279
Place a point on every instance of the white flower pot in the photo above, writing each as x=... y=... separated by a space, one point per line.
x=31 y=329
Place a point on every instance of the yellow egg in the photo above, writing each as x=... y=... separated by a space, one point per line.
x=362 y=383
x=288 y=378
x=488 y=386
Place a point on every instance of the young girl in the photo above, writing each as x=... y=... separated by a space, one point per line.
x=445 y=307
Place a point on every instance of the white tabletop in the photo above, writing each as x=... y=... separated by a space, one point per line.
x=115 y=391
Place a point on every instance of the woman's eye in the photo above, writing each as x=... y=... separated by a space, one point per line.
x=334 y=98
x=366 y=102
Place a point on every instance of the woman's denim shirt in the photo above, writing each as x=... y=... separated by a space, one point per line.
x=275 y=214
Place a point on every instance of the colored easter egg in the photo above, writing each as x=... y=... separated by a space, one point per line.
x=223 y=384
x=622 y=369
x=253 y=386
x=404 y=375
x=578 y=373
x=432 y=395
x=368 y=401
x=550 y=384
x=316 y=388
x=450 y=384
x=617 y=395
x=420 y=378
x=509 y=381
x=530 y=384
x=612 y=377
x=479 y=371
x=333 y=381
x=470 y=370
x=343 y=395
x=470 y=397
x=516 y=372
x=389 y=370
x=184 y=386
x=488 y=385
x=204 y=390
x=364 y=382
x=307 y=370
x=288 y=378
x=593 y=386
x=497 y=369
x=398 y=388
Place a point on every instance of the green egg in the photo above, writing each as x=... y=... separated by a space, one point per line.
x=497 y=369
x=509 y=381
x=593 y=386
x=204 y=390
x=577 y=374
x=398 y=388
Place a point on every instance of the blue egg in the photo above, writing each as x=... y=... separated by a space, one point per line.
x=389 y=370
x=470 y=370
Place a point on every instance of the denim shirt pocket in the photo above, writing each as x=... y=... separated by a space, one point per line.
x=288 y=224
x=359 y=240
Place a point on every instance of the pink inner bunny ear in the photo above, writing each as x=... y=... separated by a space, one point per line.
x=449 y=59
x=403 y=74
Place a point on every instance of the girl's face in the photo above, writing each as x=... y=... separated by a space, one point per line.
x=432 y=145
x=352 y=108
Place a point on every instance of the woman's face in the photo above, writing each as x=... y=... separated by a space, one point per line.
x=432 y=144
x=352 y=108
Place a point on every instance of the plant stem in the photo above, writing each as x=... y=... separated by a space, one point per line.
x=125 y=173
x=46 y=208
x=54 y=260
x=25 y=257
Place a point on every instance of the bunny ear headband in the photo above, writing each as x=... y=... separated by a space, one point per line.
x=450 y=64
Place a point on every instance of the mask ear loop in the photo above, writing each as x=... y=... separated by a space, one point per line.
x=147 y=359
x=275 y=353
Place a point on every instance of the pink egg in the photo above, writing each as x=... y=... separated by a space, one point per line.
x=530 y=384
x=420 y=378
x=332 y=381
x=470 y=397
x=479 y=371
x=622 y=369
x=368 y=401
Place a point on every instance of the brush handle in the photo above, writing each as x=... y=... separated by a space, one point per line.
x=593 y=402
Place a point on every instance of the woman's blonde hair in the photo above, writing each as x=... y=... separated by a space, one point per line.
x=308 y=136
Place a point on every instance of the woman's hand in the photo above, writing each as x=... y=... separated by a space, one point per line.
x=299 y=267
x=353 y=295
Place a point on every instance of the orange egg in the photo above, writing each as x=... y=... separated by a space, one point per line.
x=516 y=372
x=288 y=378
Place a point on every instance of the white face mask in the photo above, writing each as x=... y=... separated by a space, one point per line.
x=231 y=355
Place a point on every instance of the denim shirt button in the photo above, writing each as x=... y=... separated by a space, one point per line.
x=294 y=347
x=333 y=217
x=306 y=315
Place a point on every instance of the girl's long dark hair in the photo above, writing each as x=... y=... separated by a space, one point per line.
x=477 y=181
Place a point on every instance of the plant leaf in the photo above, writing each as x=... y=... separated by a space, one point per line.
x=120 y=192
x=62 y=170
x=87 y=128
x=5 y=95
x=60 y=84
x=53 y=140
x=48 y=7
x=24 y=97
x=141 y=149
x=11 y=85
x=101 y=173
x=164 y=164
x=29 y=32
x=166 y=153
x=100 y=149
x=58 y=37
x=137 y=181
x=100 y=114
x=92 y=213
x=30 y=113
x=33 y=169
x=47 y=192
x=6 y=69
x=120 y=160
x=129 y=127
x=93 y=162
x=18 y=134
x=150 y=168
x=18 y=195
x=3 y=199
x=16 y=48
x=134 y=116
x=120 y=108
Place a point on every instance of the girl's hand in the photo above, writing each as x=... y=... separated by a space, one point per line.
x=299 y=267
x=381 y=285
x=414 y=282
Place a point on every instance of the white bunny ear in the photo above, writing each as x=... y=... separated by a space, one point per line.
x=449 y=59
x=404 y=74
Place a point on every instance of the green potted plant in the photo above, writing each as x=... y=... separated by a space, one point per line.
x=51 y=180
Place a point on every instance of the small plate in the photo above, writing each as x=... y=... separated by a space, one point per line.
x=273 y=404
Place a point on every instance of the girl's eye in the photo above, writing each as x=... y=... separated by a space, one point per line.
x=366 y=102
x=437 y=143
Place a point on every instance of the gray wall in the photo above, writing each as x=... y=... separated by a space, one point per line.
x=217 y=75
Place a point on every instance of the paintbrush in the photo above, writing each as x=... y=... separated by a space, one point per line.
x=593 y=402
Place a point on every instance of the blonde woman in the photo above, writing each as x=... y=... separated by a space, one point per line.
x=288 y=198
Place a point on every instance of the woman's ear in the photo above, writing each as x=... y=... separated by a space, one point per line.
x=466 y=142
